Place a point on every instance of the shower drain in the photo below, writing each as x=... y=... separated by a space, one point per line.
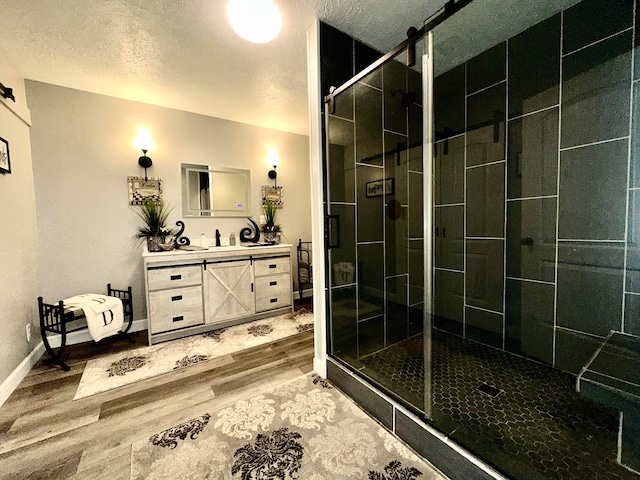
x=489 y=390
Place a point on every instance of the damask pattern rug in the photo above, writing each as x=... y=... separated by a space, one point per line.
x=124 y=368
x=304 y=429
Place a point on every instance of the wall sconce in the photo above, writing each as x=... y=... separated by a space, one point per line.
x=273 y=160
x=143 y=142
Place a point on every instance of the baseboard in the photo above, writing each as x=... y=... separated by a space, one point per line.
x=83 y=336
x=13 y=380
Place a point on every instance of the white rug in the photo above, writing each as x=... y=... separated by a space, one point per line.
x=124 y=368
x=304 y=429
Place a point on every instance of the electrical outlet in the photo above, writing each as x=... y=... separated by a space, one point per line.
x=28 y=332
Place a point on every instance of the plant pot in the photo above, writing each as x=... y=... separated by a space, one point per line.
x=271 y=237
x=157 y=244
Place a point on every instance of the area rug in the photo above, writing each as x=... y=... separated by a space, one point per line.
x=124 y=368
x=304 y=429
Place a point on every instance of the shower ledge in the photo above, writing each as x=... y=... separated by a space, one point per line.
x=612 y=378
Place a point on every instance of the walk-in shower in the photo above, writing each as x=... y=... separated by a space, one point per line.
x=483 y=218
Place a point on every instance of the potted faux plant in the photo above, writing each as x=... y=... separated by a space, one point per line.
x=270 y=229
x=155 y=231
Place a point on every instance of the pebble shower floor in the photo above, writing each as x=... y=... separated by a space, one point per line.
x=514 y=412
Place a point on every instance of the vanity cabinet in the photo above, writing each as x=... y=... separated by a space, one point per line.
x=228 y=291
x=174 y=297
x=272 y=283
x=191 y=292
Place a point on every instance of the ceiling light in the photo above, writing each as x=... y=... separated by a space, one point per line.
x=257 y=21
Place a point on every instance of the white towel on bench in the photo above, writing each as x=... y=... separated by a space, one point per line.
x=105 y=315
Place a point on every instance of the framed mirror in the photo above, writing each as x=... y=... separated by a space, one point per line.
x=209 y=191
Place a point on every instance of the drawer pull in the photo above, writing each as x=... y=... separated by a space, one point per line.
x=178 y=319
x=176 y=277
x=273 y=283
x=176 y=298
x=273 y=265
x=273 y=300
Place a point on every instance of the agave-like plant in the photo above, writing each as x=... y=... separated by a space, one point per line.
x=154 y=215
x=270 y=225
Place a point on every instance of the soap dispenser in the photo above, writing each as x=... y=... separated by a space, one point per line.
x=232 y=239
x=203 y=240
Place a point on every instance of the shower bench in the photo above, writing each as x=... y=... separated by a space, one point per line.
x=60 y=320
x=612 y=378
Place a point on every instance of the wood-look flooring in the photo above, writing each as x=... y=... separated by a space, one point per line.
x=44 y=433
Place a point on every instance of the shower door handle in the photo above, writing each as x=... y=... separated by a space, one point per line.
x=332 y=231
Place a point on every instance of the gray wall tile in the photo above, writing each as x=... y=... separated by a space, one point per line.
x=573 y=350
x=596 y=85
x=485 y=201
x=449 y=241
x=529 y=319
x=593 y=192
x=531 y=239
x=593 y=20
x=633 y=243
x=486 y=125
x=534 y=68
x=532 y=161
x=590 y=277
x=484 y=274
x=484 y=327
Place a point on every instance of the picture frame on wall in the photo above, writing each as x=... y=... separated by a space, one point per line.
x=5 y=161
x=380 y=187
x=141 y=188
x=273 y=195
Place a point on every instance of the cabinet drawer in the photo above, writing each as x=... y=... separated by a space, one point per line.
x=273 y=292
x=175 y=308
x=174 y=277
x=271 y=266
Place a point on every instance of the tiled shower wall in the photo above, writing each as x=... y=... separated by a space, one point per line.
x=537 y=187
x=375 y=136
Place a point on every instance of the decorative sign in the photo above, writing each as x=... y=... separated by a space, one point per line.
x=380 y=187
x=141 y=188
x=5 y=163
x=272 y=195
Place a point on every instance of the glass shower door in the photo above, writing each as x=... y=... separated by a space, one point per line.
x=375 y=222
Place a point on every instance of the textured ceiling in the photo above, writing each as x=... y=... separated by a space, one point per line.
x=184 y=54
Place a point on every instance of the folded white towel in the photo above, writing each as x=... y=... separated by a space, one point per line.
x=105 y=315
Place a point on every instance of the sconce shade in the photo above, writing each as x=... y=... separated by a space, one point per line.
x=143 y=141
x=273 y=159
x=257 y=21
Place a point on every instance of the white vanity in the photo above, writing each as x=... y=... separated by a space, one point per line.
x=190 y=292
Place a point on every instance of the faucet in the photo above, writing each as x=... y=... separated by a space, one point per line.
x=217 y=237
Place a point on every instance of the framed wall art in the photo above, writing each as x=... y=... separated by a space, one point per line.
x=272 y=195
x=141 y=188
x=5 y=161
x=380 y=187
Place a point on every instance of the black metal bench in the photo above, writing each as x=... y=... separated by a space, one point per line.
x=57 y=319
x=305 y=273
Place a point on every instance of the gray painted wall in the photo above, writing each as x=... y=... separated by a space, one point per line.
x=65 y=215
x=19 y=270
x=82 y=155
